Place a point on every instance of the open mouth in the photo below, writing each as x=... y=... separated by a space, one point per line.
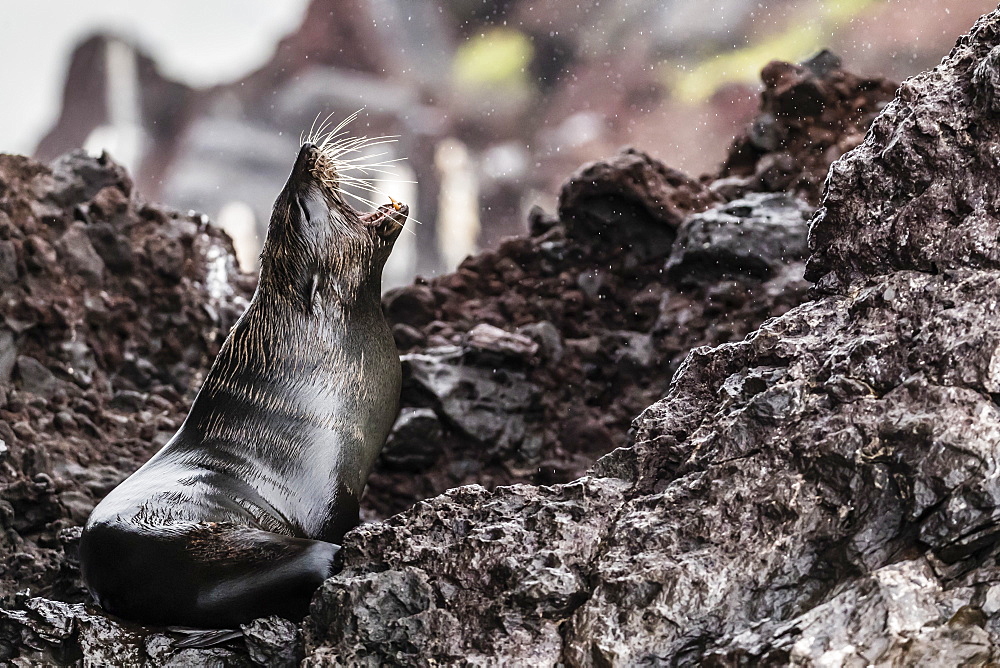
x=394 y=211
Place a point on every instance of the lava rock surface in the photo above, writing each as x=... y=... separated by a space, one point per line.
x=536 y=357
x=918 y=193
x=114 y=310
x=823 y=492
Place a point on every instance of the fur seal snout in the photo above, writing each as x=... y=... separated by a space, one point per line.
x=239 y=515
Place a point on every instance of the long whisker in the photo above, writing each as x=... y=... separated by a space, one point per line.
x=324 y=138
x=345 y=154
x=348 y=161
x=384 y=167
x=335 y=151
x=375 y=170
x=360 y=141
x=322 y=130
x=312 y=128
x=370 y=181
x=363 y=184
x=318 y=132
x=349 y=119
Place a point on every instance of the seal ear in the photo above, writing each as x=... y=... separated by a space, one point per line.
x=313 y=288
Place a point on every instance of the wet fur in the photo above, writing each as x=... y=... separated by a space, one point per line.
x=240 y=514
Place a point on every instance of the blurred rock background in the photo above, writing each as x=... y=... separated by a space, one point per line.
x=495 y=102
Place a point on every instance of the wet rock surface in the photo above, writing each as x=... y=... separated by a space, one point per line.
x=756 y=236
x=536 y=357
x=820 y=493
x=524 y=366
x=456 y=570
x=806 y=482
x=941 y=130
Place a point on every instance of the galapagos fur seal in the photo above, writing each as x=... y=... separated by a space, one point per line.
x=240 y=514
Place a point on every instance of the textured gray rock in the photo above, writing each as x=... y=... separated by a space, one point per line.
x=920 y=191
x=490 y=404
x=500 y=344
x=756 y=237
x=764 y=510
x=415 y=440
x=914 y=620
x=35 y=376
x=45 y=632
x=472 y=575
x=52 y=633
x=8 y=263
x=632 y=200
x=79 y=255
x=8 y=354
x=825 y=492
x=273 y=641
x=785 y=470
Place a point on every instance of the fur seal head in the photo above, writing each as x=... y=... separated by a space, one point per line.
x=318 y=244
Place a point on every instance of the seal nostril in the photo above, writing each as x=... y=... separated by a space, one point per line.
x=305 y=161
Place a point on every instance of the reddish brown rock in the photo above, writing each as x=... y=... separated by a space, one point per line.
x=810 y=115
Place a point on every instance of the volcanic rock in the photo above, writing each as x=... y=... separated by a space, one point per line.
x=72 y=328
x=8 y=355
x=8 y=262
x=756 y=236
x=632 y=200
x=35 y=376
x=810 y=115
x=489 y=405
x=823 y=492
x=79 y=255
x=819 y=488
x=415 y=440
x=917 y=194
x=273 y=641
x=578 y=313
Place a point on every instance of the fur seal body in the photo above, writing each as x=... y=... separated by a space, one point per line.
x=240 y=514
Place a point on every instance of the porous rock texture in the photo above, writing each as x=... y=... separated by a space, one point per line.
x=523 y=371
x=918 y=193
x=823 y=492
x=531 y=361
x=820 y=492
x=109 y=312
x=810 y=114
